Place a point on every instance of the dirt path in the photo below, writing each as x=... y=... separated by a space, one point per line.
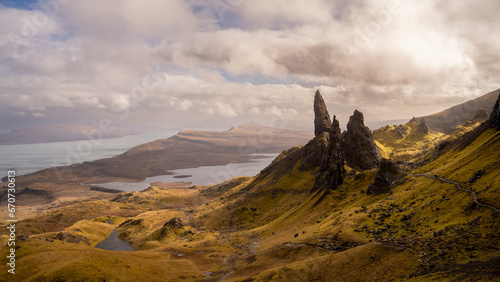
x=474 y=195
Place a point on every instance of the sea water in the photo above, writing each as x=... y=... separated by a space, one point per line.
x=203 y=175
x=28 y=158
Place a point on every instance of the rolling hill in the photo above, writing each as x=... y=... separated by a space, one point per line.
x=187 y=149
x=445 y=121
x=64 y=132
x=308 y=216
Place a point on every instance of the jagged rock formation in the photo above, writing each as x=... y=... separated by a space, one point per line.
x=401 y=130
x=322 y=120
x=360 y=150
x=314 y=150
x=482 y=114
x=323 y=151
x=495 y=115
x=387 y=176
x=332 y=172
x=423 y=127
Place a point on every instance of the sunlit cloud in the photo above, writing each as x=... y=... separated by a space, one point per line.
x=216 y=63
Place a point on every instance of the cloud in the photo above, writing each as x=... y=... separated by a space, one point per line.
x=225 y=109
x=283 y=13
x=123 y=20
x=182 y=105
x=245 y=60
x=88 y=102
x=38 y=115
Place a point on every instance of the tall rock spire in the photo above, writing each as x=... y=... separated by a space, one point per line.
x=331 y=172
x=360 y=150
x=322 y=122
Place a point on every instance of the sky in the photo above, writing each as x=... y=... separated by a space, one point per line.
x=214 y=64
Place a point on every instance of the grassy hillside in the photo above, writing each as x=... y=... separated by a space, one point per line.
x=475 y=167
x=404 y=142
x=448 y=119
x=272 y=227
x=437 y=222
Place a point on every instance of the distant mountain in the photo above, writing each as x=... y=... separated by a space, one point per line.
x=448 y=119
x=64 y=132
x=187 y=149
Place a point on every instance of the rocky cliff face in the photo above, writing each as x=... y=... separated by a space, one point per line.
x=423 y=127
x=495 y=115
x=332 y=172
x=322 y=120
x=359 y=147
x=329 y=150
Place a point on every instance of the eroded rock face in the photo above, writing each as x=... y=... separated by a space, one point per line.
x=332 y=172
x=322 y=120
x=495 y=115
x=423 y=127
x=314 y=150
x=360 y=150
x=387 y=176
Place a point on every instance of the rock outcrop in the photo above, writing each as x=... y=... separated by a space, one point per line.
x=495 y=115
x=322 y=151
x=172 y=227
x=322 y=120
x=481 y=115
x=360 y=150
x=314 y=150
x=423 y=127
x=387 y=176
x=332 y=172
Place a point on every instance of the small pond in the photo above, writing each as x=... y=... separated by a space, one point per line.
x=113 y=243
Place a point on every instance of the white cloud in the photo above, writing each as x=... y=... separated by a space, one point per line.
x=88 y=102
x=254 y=59
x=119 y=20
x=38 y=115
x=255 y=111
x=224 y=109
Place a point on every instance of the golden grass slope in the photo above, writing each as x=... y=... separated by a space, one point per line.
x=273 y=228
x=404 y=142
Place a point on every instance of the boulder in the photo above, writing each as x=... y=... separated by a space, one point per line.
x=387 y=176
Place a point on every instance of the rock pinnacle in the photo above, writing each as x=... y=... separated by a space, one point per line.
x=322 y=122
